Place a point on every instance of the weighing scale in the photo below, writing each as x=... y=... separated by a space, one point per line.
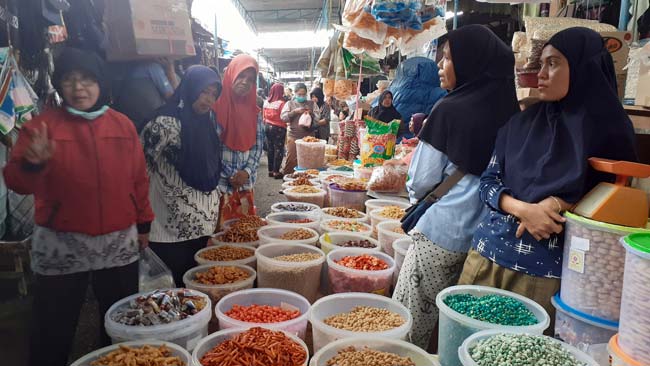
x=617 y=203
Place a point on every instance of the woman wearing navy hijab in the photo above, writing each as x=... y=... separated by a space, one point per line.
x=540 y=168
x=455 y=138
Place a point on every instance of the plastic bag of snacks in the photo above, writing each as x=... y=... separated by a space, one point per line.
x=378 y=144
x=388 y=179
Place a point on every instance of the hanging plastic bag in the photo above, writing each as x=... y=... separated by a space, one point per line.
x=305 y=120
x=154 y=273
x=378 y=144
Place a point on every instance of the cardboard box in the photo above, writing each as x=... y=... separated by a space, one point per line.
x=618 y=45
x=140 y=29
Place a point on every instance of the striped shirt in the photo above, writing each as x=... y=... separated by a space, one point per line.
x=233 y=161
x=182 y=212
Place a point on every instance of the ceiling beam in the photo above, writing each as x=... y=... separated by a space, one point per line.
x=244 y=13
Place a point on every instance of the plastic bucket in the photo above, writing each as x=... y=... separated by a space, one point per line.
x=317 y=199
x=634 y=330
x=311 y=155
x=470 y=342
x=329 y=226
x=273 y=234
x=400 y=248
x=617 y=357
x=593 y=264
x=343 y=303
x=350 y=199
x=329 y=241
x=216 y=292
x=300 y=277
x=295 y=207
x=387 y=236
x=327 y=215
x=455 y=327
x=249 y=261
x=343 y=279
x=374 y=204
x=284 y=218
x=175 y=350
x=185 y=333
x=265 y=296
x=401 y=348
x=215 y=339
x=579 y=329
x=216 y=240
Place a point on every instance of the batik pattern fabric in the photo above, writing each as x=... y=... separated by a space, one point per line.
x=495 y=235
x=182 y=212
x=61 y=253
x=427 y=270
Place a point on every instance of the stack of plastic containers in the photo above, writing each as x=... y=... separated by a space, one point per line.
x=592 y=269
x=634 y=330
x=311 y=155
x=456 y=327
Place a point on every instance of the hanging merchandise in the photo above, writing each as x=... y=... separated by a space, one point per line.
x=354 y=64
x=357 y=44
x=398 y=13
x=357 y=17
x=17 y=99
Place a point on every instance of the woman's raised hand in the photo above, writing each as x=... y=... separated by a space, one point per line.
x=41 y=148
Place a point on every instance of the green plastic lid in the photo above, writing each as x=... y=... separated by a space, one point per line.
x=639 y=243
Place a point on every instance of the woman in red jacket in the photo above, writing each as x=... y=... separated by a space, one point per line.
x=85 y=167
x=275 y=129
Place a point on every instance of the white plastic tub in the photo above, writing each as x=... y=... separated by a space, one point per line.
x=250 y=261
x=400 y=248
x=273 y=233
x=374 y=204
x=216 y=240
x=617 y=357
x=466 y=360
x=579 y=329
x=311 y=155
x=314 y=182
x=175 y=349
x=329 y=241
x=343 y=303
x=295 y=207
x=634 y=334
x=343 y=279
x=216 y=292
x=387 y=236
x=185 y=333
x=300 y=277
x=455 y=327
x=290 y=178
x=317 y=199
x=283 y=218
x=265 y=296
x=328 y=216
x=215 y=339
x=350 y=199
x=363 y=229
x=401 y=348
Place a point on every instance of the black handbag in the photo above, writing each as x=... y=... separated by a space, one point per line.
x=416 y=211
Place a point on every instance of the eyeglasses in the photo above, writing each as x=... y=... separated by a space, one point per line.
x=83 y=81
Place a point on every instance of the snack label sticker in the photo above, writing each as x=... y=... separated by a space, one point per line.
x=580 y=243
x=577 y=260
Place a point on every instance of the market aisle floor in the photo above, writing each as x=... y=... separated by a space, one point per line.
x=15 y=313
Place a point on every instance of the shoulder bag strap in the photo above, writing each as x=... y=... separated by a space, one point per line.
x=444 y=187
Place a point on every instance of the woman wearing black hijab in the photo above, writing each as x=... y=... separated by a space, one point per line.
x=385 y=111
x=540 y=167
x=323 y=125
x=455 y=138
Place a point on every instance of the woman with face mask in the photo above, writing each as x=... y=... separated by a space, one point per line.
x=242 y=134
x=291 y=113
x=83 y=163
x=540 y=169
x=456 y=142
x=183 y=154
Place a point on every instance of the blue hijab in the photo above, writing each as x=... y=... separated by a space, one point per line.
x=543 y=151
x=199 y=160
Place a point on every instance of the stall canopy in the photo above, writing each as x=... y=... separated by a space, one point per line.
x=265 y=16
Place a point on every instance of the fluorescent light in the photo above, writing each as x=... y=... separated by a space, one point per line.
x=450 y=14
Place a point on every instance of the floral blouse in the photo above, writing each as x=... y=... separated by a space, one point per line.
x=182 y=212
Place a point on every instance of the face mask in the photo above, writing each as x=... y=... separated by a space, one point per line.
x=87 y=115
x=301 y=99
